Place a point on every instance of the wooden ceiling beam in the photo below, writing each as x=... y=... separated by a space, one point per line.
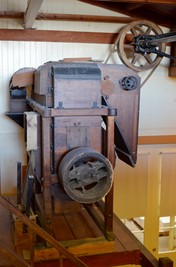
x=139 y=10
x=84 y=18
x=57 y=36
x=31 y=12
x=61 y=36
x=68 y=17
x=11 y=15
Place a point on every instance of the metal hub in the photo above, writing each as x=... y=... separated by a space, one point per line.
x=129 y=83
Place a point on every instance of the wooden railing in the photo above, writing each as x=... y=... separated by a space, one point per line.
x=39 y=231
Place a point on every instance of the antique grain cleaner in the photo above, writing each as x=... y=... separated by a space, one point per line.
x=77 y=117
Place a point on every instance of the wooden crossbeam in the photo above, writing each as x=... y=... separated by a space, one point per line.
x=67 y=17
x=57 y=36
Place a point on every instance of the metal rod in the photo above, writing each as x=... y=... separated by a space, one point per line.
x=163 y=38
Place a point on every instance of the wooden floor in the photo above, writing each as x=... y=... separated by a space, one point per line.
x=5 y=232
x=90 y=245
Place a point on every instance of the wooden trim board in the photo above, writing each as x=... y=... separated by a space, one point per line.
x=157 y=139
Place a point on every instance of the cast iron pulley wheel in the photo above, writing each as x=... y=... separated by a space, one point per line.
x=86 y=175
x=125 y=48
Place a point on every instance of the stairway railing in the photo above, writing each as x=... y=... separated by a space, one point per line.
x=41 y=232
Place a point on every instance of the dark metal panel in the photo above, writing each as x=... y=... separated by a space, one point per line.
x=127 y=104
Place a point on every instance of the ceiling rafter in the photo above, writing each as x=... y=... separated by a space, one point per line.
x=161 y=12
x=139 y=1
x=31 y=13
x=68 y=17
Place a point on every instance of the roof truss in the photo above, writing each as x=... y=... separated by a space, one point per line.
x=31 y=12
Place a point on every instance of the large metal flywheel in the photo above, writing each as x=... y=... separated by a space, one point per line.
x=126 y=47
x=86 y=175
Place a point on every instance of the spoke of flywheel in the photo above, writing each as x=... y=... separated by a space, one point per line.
x=148 y=58
x=137 y=30
x=83 y=189
x=135 y=58
x=128 y=47
x=148 y=31
x=81 y=183
x=75 y=186
x=101 y=176
x=133 y=31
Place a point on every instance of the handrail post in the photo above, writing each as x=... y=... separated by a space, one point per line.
x=165 y=262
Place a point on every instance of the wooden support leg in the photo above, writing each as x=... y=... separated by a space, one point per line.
x=46 y=169
x=109 y=197
x=29 y=183
x=19 y=190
